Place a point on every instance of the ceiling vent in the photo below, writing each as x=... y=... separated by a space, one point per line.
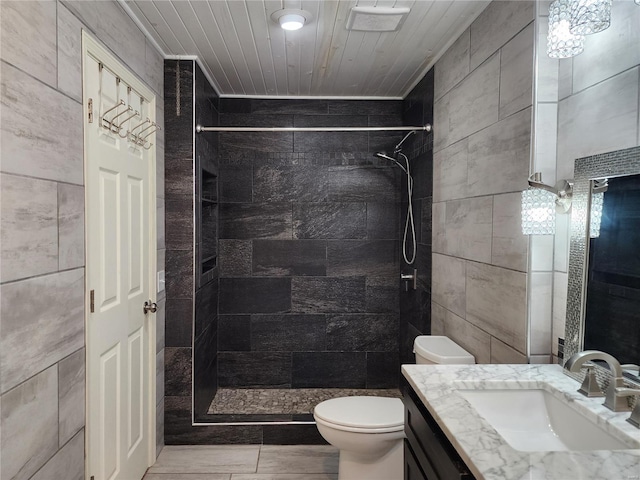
x=376 y=19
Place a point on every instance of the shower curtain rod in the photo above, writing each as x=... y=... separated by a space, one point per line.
x=200 y=129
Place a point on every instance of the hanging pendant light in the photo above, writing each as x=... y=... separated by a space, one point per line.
x=561 y=43
x=590 y=16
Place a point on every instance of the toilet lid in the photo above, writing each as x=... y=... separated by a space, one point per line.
x=362 y=412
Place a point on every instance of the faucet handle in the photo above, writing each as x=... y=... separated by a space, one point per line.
x=634 y=418
x=590 y=386
x=631 y=367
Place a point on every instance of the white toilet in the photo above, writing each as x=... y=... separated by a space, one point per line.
x=431 y=349
x=369 y=430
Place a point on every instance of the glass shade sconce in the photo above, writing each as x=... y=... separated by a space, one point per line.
x=571 y=20
x=561 y=43
x=540 y=202
x=590 y=16
x=597 y=205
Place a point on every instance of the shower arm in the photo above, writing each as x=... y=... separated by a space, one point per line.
x=425 y=128
x=398 y=148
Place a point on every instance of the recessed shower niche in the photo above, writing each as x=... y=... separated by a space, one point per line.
x=208 y=214
x=285 y=290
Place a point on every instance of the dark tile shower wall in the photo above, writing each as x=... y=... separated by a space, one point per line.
x=309 y=257
x=415 y=305
x=309 y=251
x=179 y=187
x=184 y=292
x=206 y=298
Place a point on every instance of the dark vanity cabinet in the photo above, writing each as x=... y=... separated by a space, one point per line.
x=428 y=454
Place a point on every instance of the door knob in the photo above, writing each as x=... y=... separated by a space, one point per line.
x=150 y=306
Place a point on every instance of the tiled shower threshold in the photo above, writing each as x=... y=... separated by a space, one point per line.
x=262 y=404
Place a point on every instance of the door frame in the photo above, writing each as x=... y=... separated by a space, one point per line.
x=91 y=47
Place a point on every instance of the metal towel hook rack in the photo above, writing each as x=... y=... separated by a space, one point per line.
x=148 y=120
x=139 y=133
x=137 y=138
x=119 y=126
x=157 y=127
x=134 y=136
x=134 y=114
x=140 y=140
x=108 y=124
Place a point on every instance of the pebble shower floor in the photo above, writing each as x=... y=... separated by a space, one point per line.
x=232 y=401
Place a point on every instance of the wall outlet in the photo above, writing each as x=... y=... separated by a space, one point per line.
x=160 y=281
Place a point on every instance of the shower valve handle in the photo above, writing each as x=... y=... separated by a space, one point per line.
x=410 y=278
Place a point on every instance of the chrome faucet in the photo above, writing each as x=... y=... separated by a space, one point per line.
x=614 y=400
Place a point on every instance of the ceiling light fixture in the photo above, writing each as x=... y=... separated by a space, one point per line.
x=291 y=19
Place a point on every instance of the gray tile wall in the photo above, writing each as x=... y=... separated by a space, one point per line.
x=482 y=142
x=597 y=98
x=42 y=359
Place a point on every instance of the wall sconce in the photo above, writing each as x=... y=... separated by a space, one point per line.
x=540 y=202
x=590 y=16
x=597 y=205
x=561 y=43
x=571 y=20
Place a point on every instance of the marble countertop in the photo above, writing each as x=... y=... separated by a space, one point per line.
x=488 y=455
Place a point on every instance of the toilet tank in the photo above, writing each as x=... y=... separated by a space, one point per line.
x=431 y=349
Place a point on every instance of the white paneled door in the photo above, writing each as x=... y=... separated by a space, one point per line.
x=120 y=219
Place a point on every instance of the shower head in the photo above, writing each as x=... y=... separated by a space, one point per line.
x=397 y=148
x=387 y=157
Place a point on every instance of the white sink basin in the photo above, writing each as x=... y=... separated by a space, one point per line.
x=535 y=420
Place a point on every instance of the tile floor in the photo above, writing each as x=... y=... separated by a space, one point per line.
x=245 y=462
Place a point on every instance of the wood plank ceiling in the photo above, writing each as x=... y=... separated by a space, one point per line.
x=245 y=53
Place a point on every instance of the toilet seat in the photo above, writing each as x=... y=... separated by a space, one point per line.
x=361 y=414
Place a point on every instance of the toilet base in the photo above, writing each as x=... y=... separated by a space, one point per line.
x=352 y=466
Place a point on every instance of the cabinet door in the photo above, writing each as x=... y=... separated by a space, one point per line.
x=431 y=448
x=412 y=470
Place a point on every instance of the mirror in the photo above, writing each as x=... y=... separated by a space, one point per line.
x=603 y=303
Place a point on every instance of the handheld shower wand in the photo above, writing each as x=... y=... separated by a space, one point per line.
x=409 y=223
x=391 y=159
